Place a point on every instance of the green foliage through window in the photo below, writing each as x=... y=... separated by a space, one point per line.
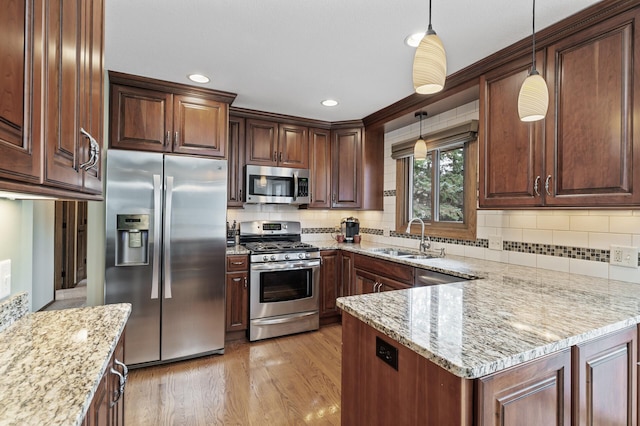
x=438 y=197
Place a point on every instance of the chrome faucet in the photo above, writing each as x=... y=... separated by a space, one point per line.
x=424 y=245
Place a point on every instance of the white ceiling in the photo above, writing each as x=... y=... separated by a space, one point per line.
x=285 y=56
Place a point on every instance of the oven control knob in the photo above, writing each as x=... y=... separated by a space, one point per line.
x=265 y=258
x=307 y=255
x=301 y=255
x=273 y=257
x=286 y=257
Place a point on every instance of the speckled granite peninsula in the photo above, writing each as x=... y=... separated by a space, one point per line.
x=509 y=316
x=51 y=363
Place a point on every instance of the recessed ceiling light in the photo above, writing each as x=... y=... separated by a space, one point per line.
x=329 y=102
x=413 y=40
x=198 y=78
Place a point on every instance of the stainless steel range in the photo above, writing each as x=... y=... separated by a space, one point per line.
x=284 y=279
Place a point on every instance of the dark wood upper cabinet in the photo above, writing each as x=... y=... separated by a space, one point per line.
x=277 y=144
x=320 y=165
x=583 y=153
x=346 y=168
x=140 y=119
x=160 y=116
x=594 y=141
x=511 y=154
x=52 y=85
x=200 y=126
x=20 y=88
x=261 y=143
x=235 y=156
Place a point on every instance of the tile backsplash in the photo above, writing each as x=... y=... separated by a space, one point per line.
x=576 y=241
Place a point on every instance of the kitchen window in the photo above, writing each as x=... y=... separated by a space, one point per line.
x=441 y=190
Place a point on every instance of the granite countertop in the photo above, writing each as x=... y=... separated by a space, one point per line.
x=509 y=315
x=51 y=363
x=237 y=249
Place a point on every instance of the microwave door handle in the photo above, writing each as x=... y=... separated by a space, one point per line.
x=295 y=186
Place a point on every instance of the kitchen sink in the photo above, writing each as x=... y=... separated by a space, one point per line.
x=393 y=252
x=406 y=254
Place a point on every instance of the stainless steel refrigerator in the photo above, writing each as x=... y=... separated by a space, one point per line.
x=165 y=252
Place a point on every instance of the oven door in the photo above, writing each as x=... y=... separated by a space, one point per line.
x=284 y=288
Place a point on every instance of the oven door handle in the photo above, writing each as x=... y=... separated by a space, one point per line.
x=281 y=320
x=284 y=266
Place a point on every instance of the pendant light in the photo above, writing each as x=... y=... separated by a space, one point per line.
x=420 y=148
x=533 y=99
x=429 y=63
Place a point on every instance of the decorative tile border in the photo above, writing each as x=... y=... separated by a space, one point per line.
x=594 y=255
x=389 y=193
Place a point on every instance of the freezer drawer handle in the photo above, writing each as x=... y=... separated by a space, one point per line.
x=167 y=237
x=157 y=208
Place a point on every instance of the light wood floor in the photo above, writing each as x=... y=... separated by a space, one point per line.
x=292 y=380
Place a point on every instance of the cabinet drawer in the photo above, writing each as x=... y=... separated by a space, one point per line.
x=389 y=269
x=237 y=263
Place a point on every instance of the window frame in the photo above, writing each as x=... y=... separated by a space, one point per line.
x=455 y=230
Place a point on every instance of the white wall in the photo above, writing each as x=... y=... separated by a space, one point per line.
x=26 y=237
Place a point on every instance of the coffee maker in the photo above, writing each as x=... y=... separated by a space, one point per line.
x=349 y=226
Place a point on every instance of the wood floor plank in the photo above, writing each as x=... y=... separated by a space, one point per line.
x=292 y=380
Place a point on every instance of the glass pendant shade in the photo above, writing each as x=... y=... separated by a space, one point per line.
x=420 y=150
x=429 y=65
x=533 y=99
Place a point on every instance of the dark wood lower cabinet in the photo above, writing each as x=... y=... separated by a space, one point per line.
x=107 y=406
x=605 y=380
x=330 y=286
x=593 y=383
x=237 y=298
x=533 y=394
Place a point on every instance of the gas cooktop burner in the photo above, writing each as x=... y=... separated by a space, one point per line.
x=279 y=246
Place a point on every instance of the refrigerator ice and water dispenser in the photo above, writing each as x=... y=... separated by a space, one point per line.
x=132 y=242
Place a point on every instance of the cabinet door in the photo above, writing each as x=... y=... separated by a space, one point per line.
x=293 y=146
x=532 y=394
x=593 y=147
x=20 y=149
x=61 y=138
x=388 y=284
x=116 y=413
x=365 y=282
x=320 y=164
x=346 y=273
x=235 y=154
x=329 y=283
x=237 y=301
x=200 y=126
x=261 y=143
x=604 y=380
x=92 y=93
x=346 y=168
x=511 y=151
x=141 y=119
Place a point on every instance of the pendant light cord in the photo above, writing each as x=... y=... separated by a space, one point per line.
x=533 y=32
x=430 y=28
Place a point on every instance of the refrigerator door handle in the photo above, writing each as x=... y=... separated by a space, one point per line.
x=157 y=217
x=167 y=236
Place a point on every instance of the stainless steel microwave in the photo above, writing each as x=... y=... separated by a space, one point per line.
x=276 y=185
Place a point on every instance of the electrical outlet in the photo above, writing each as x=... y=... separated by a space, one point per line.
x=624 y=256
x=5 y=278
x=495 y=242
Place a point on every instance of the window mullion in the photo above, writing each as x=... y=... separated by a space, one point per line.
x=435 y=185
